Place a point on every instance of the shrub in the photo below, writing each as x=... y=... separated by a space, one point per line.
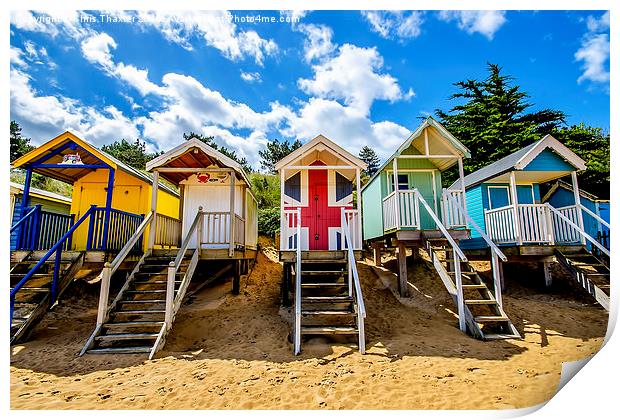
x=269 y=221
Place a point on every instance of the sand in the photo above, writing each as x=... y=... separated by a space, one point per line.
x=231 y=352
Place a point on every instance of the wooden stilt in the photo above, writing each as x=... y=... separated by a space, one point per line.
x=450 y=259
x=285 y=286
x=547 y=272
x=403 y=289
x=500 y=266
x=236 y=277
x=415 y=253
x=376 y=254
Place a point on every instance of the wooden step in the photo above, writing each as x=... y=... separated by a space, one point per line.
x=319 y=299
x=474 y=286
x=139 y=312
x=325 y=261
x=491 y=318
x=315 y=285
x=141 y=301
x=145 y=292
x=321 y=272
x=328 y=330
x=113 y=350
x=328 y=312
x=480 y=302
x=469 y=273
x=119 y=337
x=33 y=289
x=141 y=283
x=133 y=324
x=501 y=336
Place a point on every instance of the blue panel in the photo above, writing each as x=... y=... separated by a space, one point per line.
x=344 y=187
x=524 y=194
x=537 y=198
x=498 y=197
x=16 y=216
x=475 y=208
x=562 y=198
x=292 y=187
x=548 y=160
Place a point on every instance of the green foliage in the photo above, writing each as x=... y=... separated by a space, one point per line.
x=210 y=141
x=275 y=151
x=369 y=156
x=269 y=221
x=491 y=119
x=19 y=145
x=133 y=154
x=593 y=146
x=43 y=183
x=266 y=189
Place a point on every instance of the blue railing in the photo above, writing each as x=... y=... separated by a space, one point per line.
x=120 y=227
x=40 y=229
x=57 y=249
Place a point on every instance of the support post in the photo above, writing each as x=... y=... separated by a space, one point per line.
x=459 y=292
x=153 y=226
x=24 y=205
x=104 y=292
x=199 y=230
x=577 y=196
x=172 y=274
x=358 y=185
x=403 y=288
x=547 y=273
x=108 y=207
x=283 y=240
x=285 y=287
x=415 y=256
x=515 y=206
x=376 y=253
x=395 y=168
x=231 y=245
x=497 y=278
x=236 y=277
x=462 y=179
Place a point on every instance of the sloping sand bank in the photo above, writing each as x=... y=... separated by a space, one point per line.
x=232 y=352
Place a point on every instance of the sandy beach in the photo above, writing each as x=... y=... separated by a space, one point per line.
x=231 y=352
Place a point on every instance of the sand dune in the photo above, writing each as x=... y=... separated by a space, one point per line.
x=232 y=352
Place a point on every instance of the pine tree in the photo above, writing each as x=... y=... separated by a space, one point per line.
x=210 y=141
x=491 y=119
x=274 y=152
x=19 y=145
x=369 y=156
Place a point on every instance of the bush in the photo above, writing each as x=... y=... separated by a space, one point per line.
x=269 y=221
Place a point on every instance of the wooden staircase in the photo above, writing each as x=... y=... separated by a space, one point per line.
x=484 y=317
x=328 y=303
x=588 y=271
x=136 y=319
x=34 y=298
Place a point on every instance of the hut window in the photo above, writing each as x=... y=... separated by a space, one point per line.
x=403 y=182
x=292 y=187
x=344 y=188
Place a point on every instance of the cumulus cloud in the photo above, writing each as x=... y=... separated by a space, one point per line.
x=251 y=77
x=593 y=52
x=395 y=24
x=485 y=22
x=16 y=57
x=353 y=76
x=318 y=42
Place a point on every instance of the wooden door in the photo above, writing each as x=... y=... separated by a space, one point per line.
x=318 y=210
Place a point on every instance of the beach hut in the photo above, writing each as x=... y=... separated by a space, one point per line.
x=503 y=198
x=320 y=239
x=561 y=194
x=50 y=203
x=405 y=207
x=217 y=221
x=108 y=204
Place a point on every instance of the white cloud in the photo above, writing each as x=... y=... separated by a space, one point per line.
x=318 y=42
x=251 y=77
x=16 y=57
x=395 y=24
x=69 y=23
x=593 y=53
x=45 y=116
x=485 y=22
x=216 y=30
x=96 y=49
x=353 y=77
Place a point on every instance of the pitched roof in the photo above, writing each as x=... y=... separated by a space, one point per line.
x=567 y=186
x=42 y=193
x=194 y=143
x=354 y=160
x=520 y=159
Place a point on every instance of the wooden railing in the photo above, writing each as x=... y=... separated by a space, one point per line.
x=352 y=219
x=297 y=248
x=500 y=224
x=40 y=229
x=288 y=233
x=400 y=210
x=239 y=230
x=114 y=235
x=563 y=232
x=216 y=228
x=167 y=231
x=453 y=205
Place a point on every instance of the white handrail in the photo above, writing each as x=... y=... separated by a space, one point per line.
x=298 y=286
x=581 y=231
x=188 y=238
x=440 y=225
x=486 y=238
x=116 y=262
x=596 y=216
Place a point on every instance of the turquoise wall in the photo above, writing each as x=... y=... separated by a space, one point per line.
x=548 y=160
x=372 y=212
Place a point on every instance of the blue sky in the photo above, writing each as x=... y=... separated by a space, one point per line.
x=357 y=77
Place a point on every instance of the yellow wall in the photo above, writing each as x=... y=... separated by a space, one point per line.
x=130 y=194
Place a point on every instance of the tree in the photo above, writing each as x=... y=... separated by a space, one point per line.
x=593 y=146
x=210 y=141
x=133 y=154
x=275 y=151
x=369 y=156
x=19 y=145
x=491 y=119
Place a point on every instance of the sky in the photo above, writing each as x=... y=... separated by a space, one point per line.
x=359 y=78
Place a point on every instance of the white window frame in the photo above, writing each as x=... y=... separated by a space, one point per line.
x=289 y=201
x=498 y=187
